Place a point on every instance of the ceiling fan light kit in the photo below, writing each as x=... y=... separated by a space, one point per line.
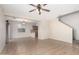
x=39 y=8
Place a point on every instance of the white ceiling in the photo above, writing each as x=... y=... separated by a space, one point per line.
x=21 y=10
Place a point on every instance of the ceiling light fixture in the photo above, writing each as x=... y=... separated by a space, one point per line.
x=39 y=8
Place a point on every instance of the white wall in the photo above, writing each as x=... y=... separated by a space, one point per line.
x=60 y=31
x=73 y=21
x=54 y=29
x=14 y=30
x=2 y=30
x=43 y=30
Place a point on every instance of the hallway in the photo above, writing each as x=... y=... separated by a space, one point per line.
x=28 y=46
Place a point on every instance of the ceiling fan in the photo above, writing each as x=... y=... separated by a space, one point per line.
x=39 y=8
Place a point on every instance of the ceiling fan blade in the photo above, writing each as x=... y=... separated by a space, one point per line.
x=45 y=10
x=32 y=10
x=33 y=5
x=44 y=4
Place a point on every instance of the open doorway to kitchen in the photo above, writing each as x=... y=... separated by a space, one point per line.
x=35 y=30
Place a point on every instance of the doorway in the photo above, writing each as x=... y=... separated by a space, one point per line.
x=35 y=30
